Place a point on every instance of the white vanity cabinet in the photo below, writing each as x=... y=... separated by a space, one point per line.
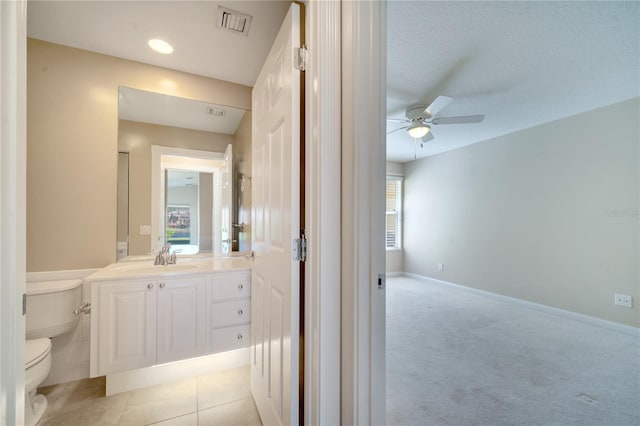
x=230 y=311
x=139 y=322
x=147 y=322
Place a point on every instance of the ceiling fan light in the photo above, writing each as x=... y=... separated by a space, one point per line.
x=418 y=130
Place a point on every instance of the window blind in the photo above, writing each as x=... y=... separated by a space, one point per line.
x=393 y=207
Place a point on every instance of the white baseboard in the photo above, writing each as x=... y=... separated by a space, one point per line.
x=394 y=274
x=126 y=381
x=597 y=322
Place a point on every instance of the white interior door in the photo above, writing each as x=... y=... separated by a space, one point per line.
x=226 y=201
x=275 y=282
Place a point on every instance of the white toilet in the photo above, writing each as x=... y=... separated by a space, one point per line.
x=50 y=313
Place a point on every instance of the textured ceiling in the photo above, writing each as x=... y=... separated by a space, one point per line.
x=519 y=63
x=122 y=29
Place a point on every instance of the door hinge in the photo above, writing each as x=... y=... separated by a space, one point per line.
x=300 y=55
x=299 y=249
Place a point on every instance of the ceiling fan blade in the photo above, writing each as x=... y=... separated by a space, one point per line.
x=437 y=105
x=428 y=137
x=458 y=120
x=393 y=131
x=398 y=120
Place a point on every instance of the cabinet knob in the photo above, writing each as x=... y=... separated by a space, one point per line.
x=162 y=285
x=240 y=286
x=149 y=286
x=240 y=312
x=239 y=336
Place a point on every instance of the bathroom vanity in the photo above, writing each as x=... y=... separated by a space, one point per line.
x=145 y=315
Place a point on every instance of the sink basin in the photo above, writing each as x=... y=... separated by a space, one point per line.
x=140 y=268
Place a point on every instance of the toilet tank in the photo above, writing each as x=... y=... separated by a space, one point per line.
x=50 y=306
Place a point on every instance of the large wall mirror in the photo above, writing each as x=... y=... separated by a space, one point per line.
x=183 y=175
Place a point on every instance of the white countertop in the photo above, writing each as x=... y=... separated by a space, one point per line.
x=139 y=269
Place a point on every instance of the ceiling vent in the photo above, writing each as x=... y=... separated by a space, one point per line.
x=233 y=21
x=216 y=112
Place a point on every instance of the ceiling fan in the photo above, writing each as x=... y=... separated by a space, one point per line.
x=420 y=118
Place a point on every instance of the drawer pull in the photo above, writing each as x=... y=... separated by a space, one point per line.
x=149 y=286
x=239 y=336
x=240 y=312
x=240 y=286
x=162 y=285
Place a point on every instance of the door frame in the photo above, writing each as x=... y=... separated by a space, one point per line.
x=322 y=322
x=13 y=190
x=344 y=201
x=201 y=162
x=363 y=174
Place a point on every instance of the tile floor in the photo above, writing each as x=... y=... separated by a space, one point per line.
x=219 y=399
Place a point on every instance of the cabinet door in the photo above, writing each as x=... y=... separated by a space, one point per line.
x=182 y=318
x=126 y=326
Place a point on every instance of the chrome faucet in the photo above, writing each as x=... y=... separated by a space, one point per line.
x=165 y=257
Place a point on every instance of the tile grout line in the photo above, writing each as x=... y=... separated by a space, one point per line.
x=124 y=406
x=171 y=418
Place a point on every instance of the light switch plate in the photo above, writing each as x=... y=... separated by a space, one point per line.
x=145 y=229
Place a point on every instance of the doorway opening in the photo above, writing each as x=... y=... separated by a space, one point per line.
x=191 y=199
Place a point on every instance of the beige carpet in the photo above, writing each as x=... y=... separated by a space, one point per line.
x=455 y=358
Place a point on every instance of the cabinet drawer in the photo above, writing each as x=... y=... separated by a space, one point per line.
x=230 y=313
x=230 y=338
x=231 y=286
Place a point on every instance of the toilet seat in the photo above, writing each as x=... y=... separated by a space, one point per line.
x=35 y=351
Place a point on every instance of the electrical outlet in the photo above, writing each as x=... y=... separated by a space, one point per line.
x=623 y=300
x=441 y=266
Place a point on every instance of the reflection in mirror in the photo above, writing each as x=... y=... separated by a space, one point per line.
x=171 y=169
x=123 y=204
x=150 y=122
x=188 y=207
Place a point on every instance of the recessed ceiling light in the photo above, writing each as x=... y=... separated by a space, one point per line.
x=160 y=46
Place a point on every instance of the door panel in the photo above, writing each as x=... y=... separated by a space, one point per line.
x=276 y=185
x=257 y=327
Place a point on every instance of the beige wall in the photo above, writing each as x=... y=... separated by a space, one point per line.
x=137 y=138
x=395 y=258
x=72 y=125
x=548 y=214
